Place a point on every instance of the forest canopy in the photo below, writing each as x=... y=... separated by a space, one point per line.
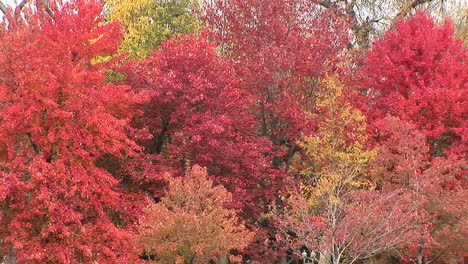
x=233 y=131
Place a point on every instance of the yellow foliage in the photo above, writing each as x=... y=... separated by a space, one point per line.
x=147 y=23
x=335 y=157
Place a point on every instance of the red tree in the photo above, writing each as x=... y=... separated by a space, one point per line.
x=418 y=73
x=280 y=49
x=198 y=114
x=57 y=117
x=434 y=186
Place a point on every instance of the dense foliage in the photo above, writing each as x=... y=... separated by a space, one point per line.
x=182 y=132
x=58 y=115
x=190 y=224
x=147 y=24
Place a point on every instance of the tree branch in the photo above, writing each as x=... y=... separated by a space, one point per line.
x=326 y=3
x=45 y=3
x=193 y=258
x=3 y=7
x=47 y=9
x=407 y=8
x=436 y=257
x=33 y=144
x=20 y=6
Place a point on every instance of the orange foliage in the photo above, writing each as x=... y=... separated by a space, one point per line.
x=190 y=224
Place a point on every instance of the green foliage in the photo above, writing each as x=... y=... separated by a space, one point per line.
x=148 y=23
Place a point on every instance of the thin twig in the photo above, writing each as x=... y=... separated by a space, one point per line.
x=20 y=7
x=436 y=257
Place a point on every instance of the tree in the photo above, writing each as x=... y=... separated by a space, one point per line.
x=280 y=50
x=191 y=224
x=333 y=213
x=370 y=19
x=57 y=117
x=344 y=224
x=435 y=185
x=197 y=114
x=148 y=23
x=417 y=72
x=417 y=75
x=340 y=139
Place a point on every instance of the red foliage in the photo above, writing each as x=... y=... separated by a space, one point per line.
x=57 y=117
x=197 y=114
x=418 y=73
x=433 y=185
x=280 y=48
x=346 y=226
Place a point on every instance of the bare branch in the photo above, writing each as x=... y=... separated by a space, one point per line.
x=408 y=7
x=20 y=7
x=3 y=7
x=326 y=3
x=438 y=256
x=47 y=8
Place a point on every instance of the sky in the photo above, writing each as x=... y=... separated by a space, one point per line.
x=9 y=2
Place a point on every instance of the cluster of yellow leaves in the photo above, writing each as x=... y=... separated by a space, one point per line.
x=147 y=23
x=335 y=157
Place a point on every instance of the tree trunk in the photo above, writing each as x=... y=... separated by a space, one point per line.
x=420 y=256
x=223 y=259
x=10 y=259
x=325 y=257
x=283 y=260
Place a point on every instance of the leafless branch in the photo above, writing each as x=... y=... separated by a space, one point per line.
x=438 y=256
x=408 y=7
x=20 y=7
x=3 y=7
x=47 y=8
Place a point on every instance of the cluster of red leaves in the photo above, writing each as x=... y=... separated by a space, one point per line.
x=57 y=116
x=418 y=73
x=414 y=81
x=197 y=114
x=279 y=50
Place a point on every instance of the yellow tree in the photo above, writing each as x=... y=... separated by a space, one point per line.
x=334 y=161
x=340 y=139
x=147 y=23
